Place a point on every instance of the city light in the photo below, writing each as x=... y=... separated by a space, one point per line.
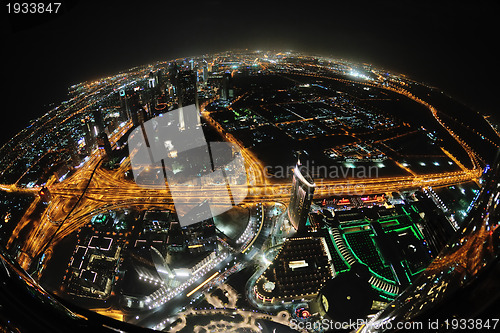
x=336 y=189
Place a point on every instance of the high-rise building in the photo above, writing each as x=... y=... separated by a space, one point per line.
x=132 y=107
x=103 y=143
x=173 y=72
x=152 y=80
x=205 y=71
x=73 y=151
x=186 y=88
x=87 y=130
x=301 y=197
x=187 y=94
x=159 y=77
x=226 y=81
x=98 y=120
x=124 y=107
x=102 y=137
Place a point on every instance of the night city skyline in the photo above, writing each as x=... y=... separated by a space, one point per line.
x=250 y=167
x=425 y=41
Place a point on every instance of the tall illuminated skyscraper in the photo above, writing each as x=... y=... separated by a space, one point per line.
x=188 y=95
x=205 y=71
x=186 y=88
x=87 y=130
x=102 y=137
x=301 y=198
x=225 y=93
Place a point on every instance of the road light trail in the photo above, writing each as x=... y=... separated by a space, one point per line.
x=108 y=189
x=202 y=284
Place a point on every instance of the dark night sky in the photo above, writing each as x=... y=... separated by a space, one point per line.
x=449 y=44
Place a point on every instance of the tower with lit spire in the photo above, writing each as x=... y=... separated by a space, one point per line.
x=301 y=197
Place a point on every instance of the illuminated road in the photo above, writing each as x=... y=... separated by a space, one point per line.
x=17 y=189
x=110 y=190
x=94 y=189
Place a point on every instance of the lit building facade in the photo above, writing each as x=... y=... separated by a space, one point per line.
x=301 y=197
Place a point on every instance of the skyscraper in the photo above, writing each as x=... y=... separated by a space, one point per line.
x=186 y=88
x=150 y=95
x=98 y=120
x=160 y=77
x=173 y=72
x=152 y=80
x=102 y=137
x=124 y=107
x=188 y=95
x=205 y=71
x=225 y=86
x=87 y=130
x=132 y=107
x=301 y=197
